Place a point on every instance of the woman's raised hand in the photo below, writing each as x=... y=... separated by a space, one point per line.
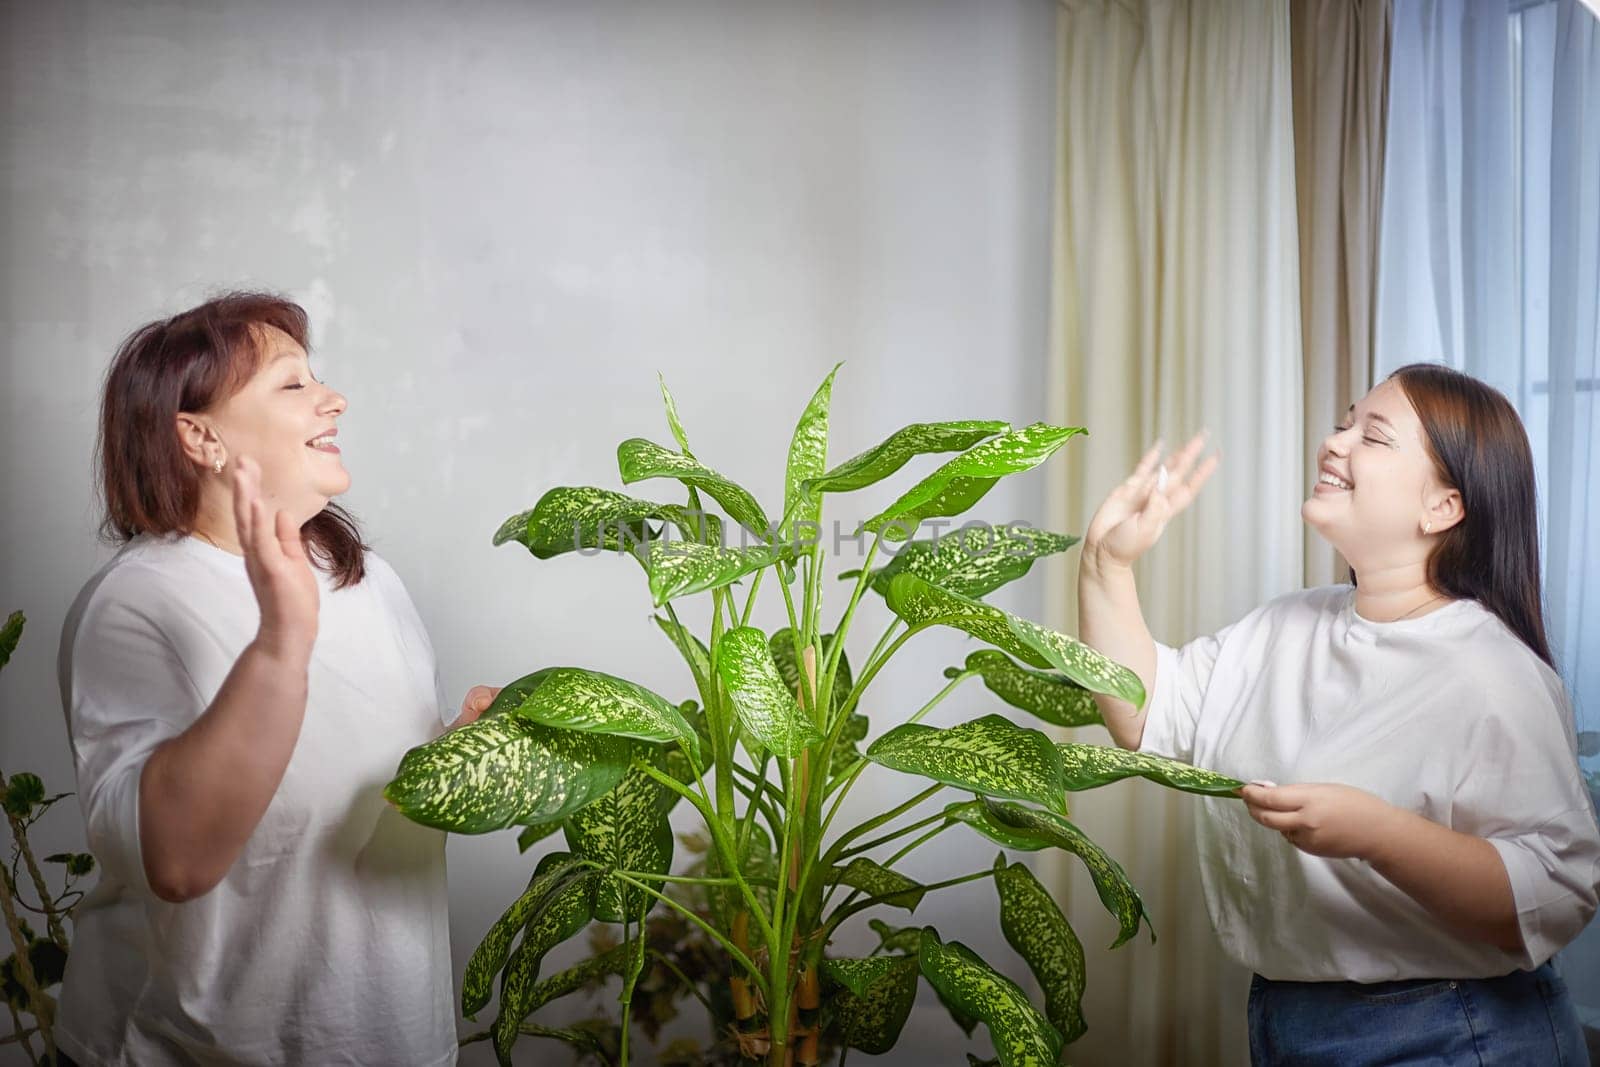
x=279 y=569
x=1133 y=515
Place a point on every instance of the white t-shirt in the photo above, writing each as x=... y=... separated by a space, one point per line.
x=1448 y=715
x=327 y=941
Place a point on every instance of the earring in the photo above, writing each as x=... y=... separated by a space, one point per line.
x=1427 y=526
x=217 y=465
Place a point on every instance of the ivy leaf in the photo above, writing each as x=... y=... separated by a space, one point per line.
x=555 y=871
x=22 y=792
x=964 y=480
x=682 y=568
x=875 y=880
x=1033 y=925
x=991 y=756
x=1110 y=881
x=563 y=912
x=501 y=771
x=766 y=707
x=1089 y=766
x=10 y=635
x=572 y=698
x=973 y=561
x=919 y=602
x=883 y=459
x=78 y=864
x=808 y=456
x=873 y=1000
x=638 y=459
x=1053 y=697
x=627 y=829
x=1021 y=1036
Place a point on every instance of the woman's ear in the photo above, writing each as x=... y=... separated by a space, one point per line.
x=193 y=433
x=1444 y=510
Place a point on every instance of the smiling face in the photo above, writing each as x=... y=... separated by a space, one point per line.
x=273 y=418
x=1390 y=489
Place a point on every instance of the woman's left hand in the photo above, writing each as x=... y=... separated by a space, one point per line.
x=477 y=701
x=1335 y=821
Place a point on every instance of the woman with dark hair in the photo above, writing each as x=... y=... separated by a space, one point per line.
x=1402 y=904
x=240 y=681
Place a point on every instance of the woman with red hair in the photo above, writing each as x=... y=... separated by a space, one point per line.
x=240 y=681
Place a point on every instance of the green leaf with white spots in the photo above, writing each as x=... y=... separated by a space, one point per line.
x=873 y=999
x=883 y=459
x=504 y=771
x=1021 y=1036
x=555 y=871
x=973 y=561
x=682 y=568
x=991 y=756
x=1053 y=697
x=920 y=602
x=689 y=647
x=976 y=815
x=1110 y=881
x=532 y=835
x=572 y=698
x=766 y=707
x=561 y=914
x=585 y=518
x=1033 y=925
x=10 y=634
x=578 y=976
x=673 y=422
x=1089 y=766
x=964 y=480
x=512 y=694
x=845 y=753
x=638 y=459
x=903 y=939
x=808 y=456
x=627 y=830
x=875 y=880
x=781 y=644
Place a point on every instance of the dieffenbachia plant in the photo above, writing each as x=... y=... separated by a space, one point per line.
x=769 y=748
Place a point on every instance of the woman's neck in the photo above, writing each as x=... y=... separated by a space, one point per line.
x=1389 y=594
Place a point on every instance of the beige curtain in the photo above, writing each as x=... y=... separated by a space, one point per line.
x=1340 y=69
x=1176 y=307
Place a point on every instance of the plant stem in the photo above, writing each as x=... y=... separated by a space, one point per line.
x=833 y=853
x=733 y=950
x=674 y=878
x=830 y=664
x=846 y=909
x=661 y=958
x=750 y=601
x=868 y=846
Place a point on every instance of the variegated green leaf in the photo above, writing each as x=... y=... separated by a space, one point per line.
x=673 y=422
x=882 y=460
x=512 y=694
x=902 y=939
x=1053 y=697
x=638 y=459
x=627 y=830
x=876 y=880
x=973 y=561
x=576 y=977
x=766 y=707
x=579 y=518
x=808 y=457
x=532 y=835
x=781 y=644
x=1033 y=925
x=572 y=698
x=555 y=871
x=1088 y=766
x=563 y=913
x=501 y=771
x=1021 y=1036
x=10 y=634
x=845 y=753
x=964 y=480
x=874 y=999
x=918 y=601
x=992 y=756
x=682 y=568
x=976 y=815
x=1110 y=881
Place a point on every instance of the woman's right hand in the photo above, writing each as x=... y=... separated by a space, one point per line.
x=279 y=569
x=1133 y=515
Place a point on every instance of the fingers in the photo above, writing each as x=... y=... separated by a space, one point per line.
x=1281 y=821
x=1178 y=466
x=1272 y=798
x=245 y=490
x=288 y=536
x=1148 y=464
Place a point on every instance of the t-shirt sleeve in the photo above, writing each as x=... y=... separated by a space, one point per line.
x=126 y=691
x=1182 y=675
x=1521 y=789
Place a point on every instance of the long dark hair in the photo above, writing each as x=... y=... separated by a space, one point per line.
x=187 y=363
x=1479 y=448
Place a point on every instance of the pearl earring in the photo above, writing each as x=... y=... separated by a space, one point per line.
x=217 y=465
x=1427 y=526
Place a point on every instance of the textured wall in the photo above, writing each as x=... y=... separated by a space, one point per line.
x=505 y=218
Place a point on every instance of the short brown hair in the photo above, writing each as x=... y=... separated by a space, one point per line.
x=187 y=363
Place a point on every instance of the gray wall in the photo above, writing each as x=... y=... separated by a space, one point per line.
x=505 y=218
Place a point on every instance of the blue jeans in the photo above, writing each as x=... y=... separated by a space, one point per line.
x=1523 y=1018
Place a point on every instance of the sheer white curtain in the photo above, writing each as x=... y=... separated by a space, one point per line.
x=1490 y=262
x=1176 y=306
